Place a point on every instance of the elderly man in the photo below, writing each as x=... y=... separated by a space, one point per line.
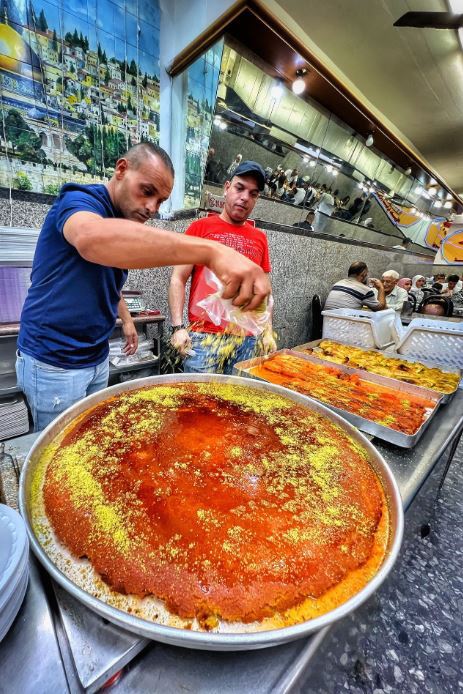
x=395 y=296
x=354 y=291
x=90 y=237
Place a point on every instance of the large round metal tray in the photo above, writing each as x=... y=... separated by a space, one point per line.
x=203 y=640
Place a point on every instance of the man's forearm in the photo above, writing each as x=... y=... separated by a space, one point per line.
x=382 y=297
x=176 y=302
x=125 y=244
x=123 y=312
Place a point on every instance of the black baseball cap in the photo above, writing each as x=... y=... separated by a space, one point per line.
x=247 y=168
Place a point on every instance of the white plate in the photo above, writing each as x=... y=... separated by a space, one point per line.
x=13 y=541
x=9 y=615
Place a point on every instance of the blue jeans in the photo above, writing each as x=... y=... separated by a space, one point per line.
x=210 y=358
x=50 y=390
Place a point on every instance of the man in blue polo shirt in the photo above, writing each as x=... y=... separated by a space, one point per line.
x=90 y=238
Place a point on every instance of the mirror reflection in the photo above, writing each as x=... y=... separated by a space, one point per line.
x=320 y=175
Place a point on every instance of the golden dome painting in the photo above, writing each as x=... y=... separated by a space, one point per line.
x=16 y=56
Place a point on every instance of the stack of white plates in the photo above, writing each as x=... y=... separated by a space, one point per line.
x=14 y=566
x=14 y=419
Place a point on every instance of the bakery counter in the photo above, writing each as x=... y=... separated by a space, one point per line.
x=56 y=644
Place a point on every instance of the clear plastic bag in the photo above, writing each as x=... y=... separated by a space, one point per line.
x=222 y=313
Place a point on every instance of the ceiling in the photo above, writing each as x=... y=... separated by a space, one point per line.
x=411 y=78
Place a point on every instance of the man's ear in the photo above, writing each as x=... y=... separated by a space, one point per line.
x=121 y=167
x=226 y=188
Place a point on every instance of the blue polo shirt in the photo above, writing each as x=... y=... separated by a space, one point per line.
x=71 y=307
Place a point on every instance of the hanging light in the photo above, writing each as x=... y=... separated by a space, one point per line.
x=418 y=190
x=329 y=168
x=447 y=205
x=391 y=193
x=370 y=140
x=437 y=203
x=408 y=171
x=312 y=163
x=277 y=89
x=335 y=172
x=412 y=210
x=299 y=85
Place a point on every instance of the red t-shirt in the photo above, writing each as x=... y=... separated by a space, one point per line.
x=245 y=239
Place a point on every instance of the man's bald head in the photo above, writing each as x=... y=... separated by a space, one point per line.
x=139 y=153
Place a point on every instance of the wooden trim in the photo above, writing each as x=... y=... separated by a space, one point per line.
x=251 y=23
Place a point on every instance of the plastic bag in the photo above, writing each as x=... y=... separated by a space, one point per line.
x=222 y=313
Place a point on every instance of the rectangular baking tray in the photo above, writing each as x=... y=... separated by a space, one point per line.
x=446 y=397
x=398 y=438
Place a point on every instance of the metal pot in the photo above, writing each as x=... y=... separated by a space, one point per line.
x=202 y=640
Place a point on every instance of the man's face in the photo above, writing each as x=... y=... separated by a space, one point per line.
x=452 y=284
x=310 y=217
x=389 y=284
x=240 y=194
x=140 y=191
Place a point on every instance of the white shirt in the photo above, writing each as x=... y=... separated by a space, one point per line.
x=396 y=298
x=300 y=195
x=326 y=204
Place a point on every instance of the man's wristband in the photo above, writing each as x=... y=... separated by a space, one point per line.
x=174 y=328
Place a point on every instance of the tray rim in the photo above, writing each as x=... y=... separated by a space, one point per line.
x=208 y=640
x=366 y=425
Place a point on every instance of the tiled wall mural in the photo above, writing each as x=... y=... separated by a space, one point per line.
x=79 y=84
x=202 y=80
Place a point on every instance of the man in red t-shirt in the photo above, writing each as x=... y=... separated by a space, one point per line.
x=232 y=229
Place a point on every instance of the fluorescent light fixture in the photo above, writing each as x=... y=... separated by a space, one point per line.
x=277 y=90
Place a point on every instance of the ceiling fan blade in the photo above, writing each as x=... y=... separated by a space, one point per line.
x=430 y=20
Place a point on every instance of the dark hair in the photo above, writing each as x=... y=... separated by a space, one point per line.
x=453 y=278
x=311 y=211
x=139 y=152
x=356 y=268
x=406 y=240
x=438 y=300
x=437 y=286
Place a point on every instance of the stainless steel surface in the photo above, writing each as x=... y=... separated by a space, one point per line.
x=169 y=669
x=366 y=425
x=98 y=648
x=29 y=655
x=446 y=397
x=188 y=638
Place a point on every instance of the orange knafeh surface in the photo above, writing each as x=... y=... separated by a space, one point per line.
x=223 y=501
x=395 y=409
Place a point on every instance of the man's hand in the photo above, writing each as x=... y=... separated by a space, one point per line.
x=244 y=281
x=131 y=337
x=377 y=284
x=181 y=341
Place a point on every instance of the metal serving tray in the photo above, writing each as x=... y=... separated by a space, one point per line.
x=379 y=430
x=446 y=397
x=208 y=640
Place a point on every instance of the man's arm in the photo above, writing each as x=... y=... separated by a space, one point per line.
x=125 y=244
x=180 y=276
x=128 y=328
x=378 y=285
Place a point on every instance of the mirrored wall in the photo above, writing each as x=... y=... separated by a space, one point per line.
x=313 y=161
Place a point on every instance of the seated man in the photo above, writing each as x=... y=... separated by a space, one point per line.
x=453 y=285
x=354 y=292
x=395 y=296
x=307 y=224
